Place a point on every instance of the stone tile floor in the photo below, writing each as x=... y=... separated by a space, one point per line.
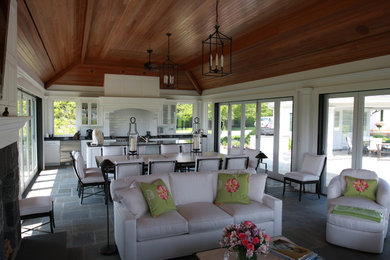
x=303 y=222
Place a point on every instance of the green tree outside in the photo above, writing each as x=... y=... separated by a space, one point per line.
x=64 y=117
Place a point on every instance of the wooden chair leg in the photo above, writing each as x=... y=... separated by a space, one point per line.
x=284 y=185
x=318 y=189
x=82 y=194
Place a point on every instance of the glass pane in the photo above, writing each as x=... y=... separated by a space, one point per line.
x=209 y=118
x=165 y=114
x=84 y=113
x=223 y=137
x=94 y=114
x=250 y=125
x=64 y=117
x=267 y=131
x=376 y=135
x=285 y=136
x=184 y=118
x=339 y=137
x=236 y=125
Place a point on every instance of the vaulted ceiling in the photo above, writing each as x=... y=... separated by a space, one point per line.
x=75 y=42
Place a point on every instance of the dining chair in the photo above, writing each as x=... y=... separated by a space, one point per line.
x=128 y=168
x=113 y=150
x=253 y=162
x=186 y=148
x=87 y=177
x=169 y=148
x=37 y=207
x=208 y=163
x=160 y=166
x=310 y=173
x=236 y=162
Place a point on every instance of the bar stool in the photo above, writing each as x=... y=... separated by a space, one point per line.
x=37 y=207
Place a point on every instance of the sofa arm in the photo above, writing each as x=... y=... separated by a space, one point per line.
x=276 y=205
x=334 y=188
x=383 y=194
x=125 y=231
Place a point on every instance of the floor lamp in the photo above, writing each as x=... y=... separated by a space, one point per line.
x=108 y=249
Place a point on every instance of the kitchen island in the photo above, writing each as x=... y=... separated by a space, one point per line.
x=150 y=147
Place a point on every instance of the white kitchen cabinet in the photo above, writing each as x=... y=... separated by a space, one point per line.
x=83 y=149
x=168 y=114
x=89 y=113
x=52 y=153
x=92 y=152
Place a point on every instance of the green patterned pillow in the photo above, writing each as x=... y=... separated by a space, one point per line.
x=360 y=188
x=158 y=197
x=232 y=188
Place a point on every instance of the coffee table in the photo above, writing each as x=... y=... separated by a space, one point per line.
x=219 y=253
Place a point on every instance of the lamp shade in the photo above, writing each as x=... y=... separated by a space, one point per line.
x=261 y=155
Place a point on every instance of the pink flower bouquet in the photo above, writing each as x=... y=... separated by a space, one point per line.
x=246 y=239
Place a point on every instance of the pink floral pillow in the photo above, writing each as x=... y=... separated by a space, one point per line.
x=362 y=188
x=232 y=188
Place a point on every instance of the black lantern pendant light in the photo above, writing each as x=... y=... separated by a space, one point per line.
x=169 y=72
x=217 y=53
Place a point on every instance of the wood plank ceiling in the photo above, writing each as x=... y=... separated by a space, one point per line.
x=75 y=42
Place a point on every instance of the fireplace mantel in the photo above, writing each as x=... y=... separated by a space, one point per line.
x=9 y=129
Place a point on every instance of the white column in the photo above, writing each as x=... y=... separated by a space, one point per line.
x=11 y=63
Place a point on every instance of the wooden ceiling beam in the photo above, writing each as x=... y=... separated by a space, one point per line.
x=194 y=81
x=87 y=27
x=61 y=73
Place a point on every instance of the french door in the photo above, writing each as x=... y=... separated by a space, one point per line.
x=27 y=144
x=357 y=132
x=261 y=124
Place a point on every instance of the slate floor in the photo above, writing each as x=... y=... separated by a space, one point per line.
x=303 y=222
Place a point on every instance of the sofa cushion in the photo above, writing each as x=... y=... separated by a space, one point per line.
x=133 y=200
x=190 y=188
x=166 y=225
x=158 y=197
x=255 y=212
x=257 y=186
x=232 y=188
x=204 y=216
x=362 y=188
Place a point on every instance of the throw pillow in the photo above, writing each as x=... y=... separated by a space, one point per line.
x=158 y=197
x=360 y=188
x=257 y=186
x=133 y=200
x=232 y=188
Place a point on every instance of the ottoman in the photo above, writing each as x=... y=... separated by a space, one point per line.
x=355 y=232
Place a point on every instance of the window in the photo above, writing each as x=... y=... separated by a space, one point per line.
x=64 y=117
x=184 y=120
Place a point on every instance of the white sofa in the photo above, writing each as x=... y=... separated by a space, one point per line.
x=196 y=225
x=353 y=232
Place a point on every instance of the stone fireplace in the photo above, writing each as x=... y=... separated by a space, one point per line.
x=10 y=236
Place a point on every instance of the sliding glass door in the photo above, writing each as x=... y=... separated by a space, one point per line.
x=357 y=133
x=262 y=124
x=28 y=159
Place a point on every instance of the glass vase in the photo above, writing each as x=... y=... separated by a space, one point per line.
x=241 y=255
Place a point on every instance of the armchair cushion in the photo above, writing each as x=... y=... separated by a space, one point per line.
x=360 y=188
x=302 y=176
x=232 y=188
x=313 y=164
x=158 y=197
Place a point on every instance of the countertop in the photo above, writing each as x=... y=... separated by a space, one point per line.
x=124 y=138
x=142 y=143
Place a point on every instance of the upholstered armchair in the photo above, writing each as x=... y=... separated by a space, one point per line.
x=352 y=231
